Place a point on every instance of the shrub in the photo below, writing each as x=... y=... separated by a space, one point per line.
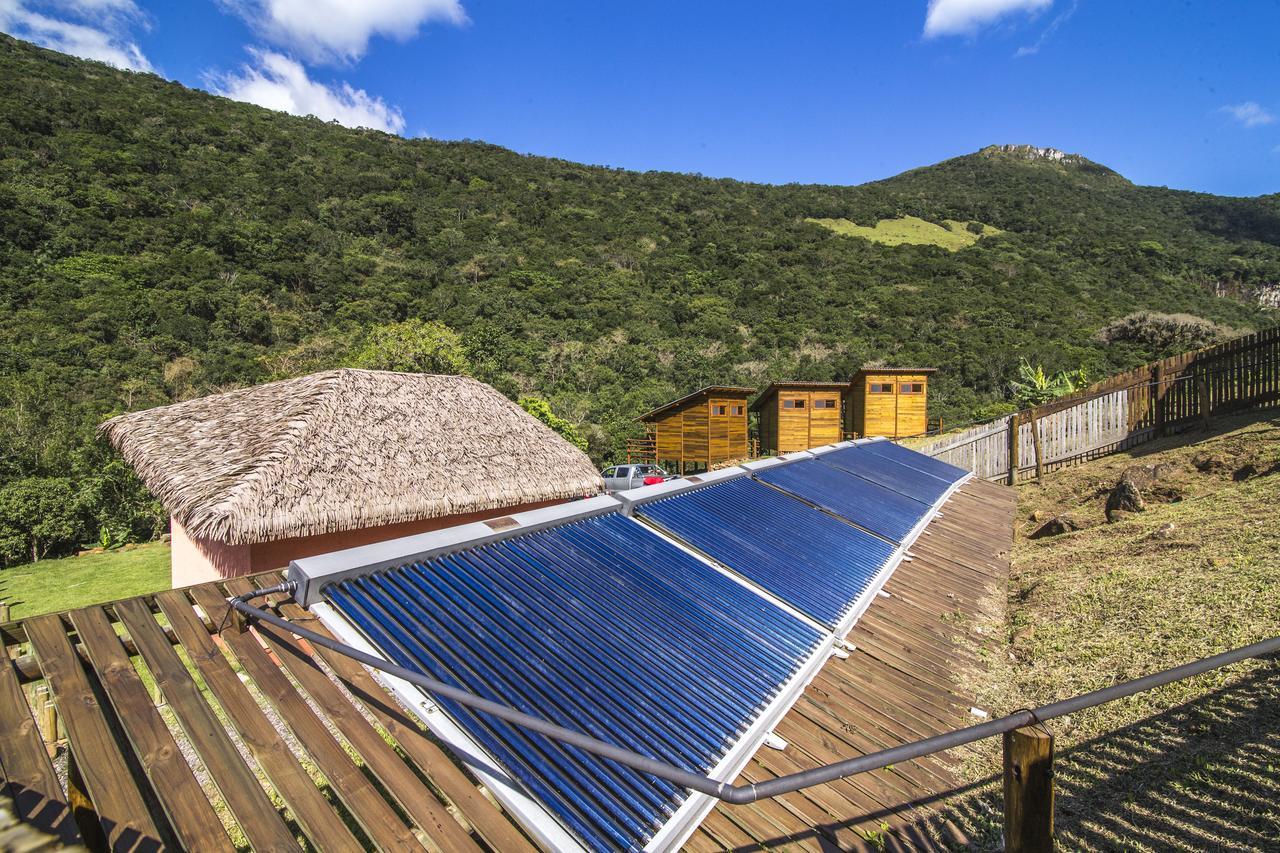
x=414 y=346
x=541 y=410
x=1164 y=334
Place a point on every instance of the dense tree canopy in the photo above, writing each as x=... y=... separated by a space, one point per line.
x=158 y=243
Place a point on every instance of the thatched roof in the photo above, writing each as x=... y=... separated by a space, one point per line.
x=342 y=450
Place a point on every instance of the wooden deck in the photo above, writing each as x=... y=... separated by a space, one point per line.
x=901 y=684
x=172 y=734
x=181 y=738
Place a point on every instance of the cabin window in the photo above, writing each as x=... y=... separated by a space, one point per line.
x=793 y=404
x=824 y=404
x=718 y=410
x=736 y=411
x=880 y=388
x=912 y=388
x=609 y=472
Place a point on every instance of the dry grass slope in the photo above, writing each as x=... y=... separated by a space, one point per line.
x=1196 y=764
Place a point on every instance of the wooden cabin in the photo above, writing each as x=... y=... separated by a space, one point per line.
x=889 y=401
x=701 y=429
x=799 y=415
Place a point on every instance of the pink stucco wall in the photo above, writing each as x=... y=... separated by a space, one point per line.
x=194 y=560
x=197 y=560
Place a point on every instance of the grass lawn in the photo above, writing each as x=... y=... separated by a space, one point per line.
x=952 y=235
x=1193 y=765
x=52 y=585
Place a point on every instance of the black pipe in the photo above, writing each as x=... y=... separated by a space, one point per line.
x=743 y=794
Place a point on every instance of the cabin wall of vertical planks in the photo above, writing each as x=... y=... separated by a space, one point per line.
x=701 y=430
x=798 y=416
x=888 y=402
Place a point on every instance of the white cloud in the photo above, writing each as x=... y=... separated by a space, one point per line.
x=1249 y=114
x=98 y=29
x=280 y=83
x=338 y=31
x=966 y=17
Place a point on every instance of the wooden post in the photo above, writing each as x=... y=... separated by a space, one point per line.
x=1028 y=790
x=1202 y=388
x=48 y=719
x=1157 y=398
x=1013 y=449
x=4 y=611
x=1035 y=444
x=83 y=810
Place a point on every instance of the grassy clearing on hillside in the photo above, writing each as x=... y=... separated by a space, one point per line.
x=50 y=586
x=1195 y=764
x=952 y=235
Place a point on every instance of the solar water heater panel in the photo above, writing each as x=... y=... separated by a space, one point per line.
x=816 y=563
x=867 y=504
x=601 y=626
x=914 y=459
x=904 y=479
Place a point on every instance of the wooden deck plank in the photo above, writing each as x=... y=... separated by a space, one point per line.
x=396 y=776
x=238 y=785
x=28 y=775
x=487 y=820
x=362 y=799
x=184 y=802
x=126 y=821
x=308 y=805
x=898 y=686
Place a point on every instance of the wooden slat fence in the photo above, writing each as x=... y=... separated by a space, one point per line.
x=1160 y=398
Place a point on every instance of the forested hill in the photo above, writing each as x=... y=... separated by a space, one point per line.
x=158 y=243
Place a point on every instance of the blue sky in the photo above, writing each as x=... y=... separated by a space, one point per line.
x=1182 y=94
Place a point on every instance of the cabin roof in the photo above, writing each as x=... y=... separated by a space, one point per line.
x=774 y=387
x=727 y=390
x=344 y=450
x=894 y=370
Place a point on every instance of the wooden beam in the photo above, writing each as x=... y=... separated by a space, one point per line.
x=1013 y=448
x=1035 y=444
x=1159 y=390
x=1028 y=790
x=28 y=777
x=1202 y=389
x=184 y=802
x=112 y=792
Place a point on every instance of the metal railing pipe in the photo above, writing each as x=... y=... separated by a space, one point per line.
x=743 y=794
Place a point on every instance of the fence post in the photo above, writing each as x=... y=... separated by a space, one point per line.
x=1035 y=444
x=1202 y=389
x=1158 y=399
x=1013 y=449
x=1028 y=790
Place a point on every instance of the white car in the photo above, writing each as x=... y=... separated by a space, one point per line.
x=620 y=477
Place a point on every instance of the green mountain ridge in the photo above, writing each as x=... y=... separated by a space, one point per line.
x=158 y=242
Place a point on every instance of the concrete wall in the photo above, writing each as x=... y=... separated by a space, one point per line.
x=197 y=560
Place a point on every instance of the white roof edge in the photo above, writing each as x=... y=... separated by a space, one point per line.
x=313 y=572
x=647 y=494
x=760 y=464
